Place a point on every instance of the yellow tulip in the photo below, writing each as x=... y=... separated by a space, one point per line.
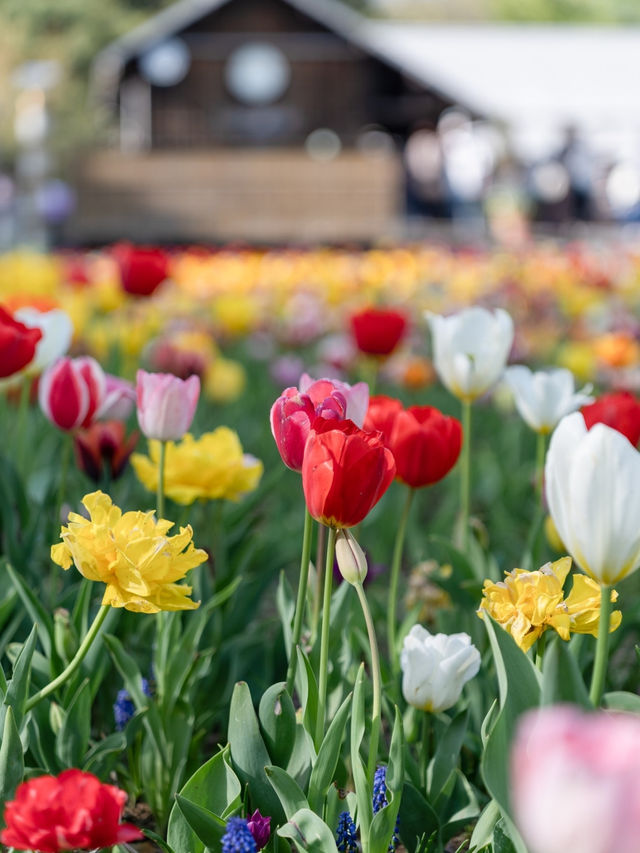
x=212 y=466
x=132 y=554
x=526 y=603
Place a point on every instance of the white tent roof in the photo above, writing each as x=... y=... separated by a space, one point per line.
x=536 y=78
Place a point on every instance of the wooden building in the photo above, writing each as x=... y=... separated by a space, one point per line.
x=263 y=120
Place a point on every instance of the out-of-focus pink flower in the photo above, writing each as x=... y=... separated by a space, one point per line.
x=71 y=390
x=356 y=396
x=260 y=828
x=575 y=781
x=166 y=404
x=119 y=399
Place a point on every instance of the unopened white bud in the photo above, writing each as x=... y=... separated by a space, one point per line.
x=351 y=558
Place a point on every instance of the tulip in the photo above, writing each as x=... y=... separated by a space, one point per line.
x=57 y=330
x=142 y=269
x=65 y=812
x=18 y=344
x=378 y=331
x=166 y=404
x=71 y=391
x=119 y=399
x=435 y=667
x=425 y=445
x=619 y=410
x=593 y=491
x=260 y=828
x=575 y=781
x=102 y=448
x=357 y=396
x=470 y=349
x=345 y=472
x=291 y=417
x=381 y=415
x=544 y=397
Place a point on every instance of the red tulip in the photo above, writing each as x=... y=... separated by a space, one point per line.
x=619 y=410
x=378 y=331
x=425 y=445
x=71 y=392
x=71 y=811
x=103 y=447
x=345 y=472
x=17 y=344
x=142 y=268
x=381 y=415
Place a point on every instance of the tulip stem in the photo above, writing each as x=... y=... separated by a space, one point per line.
x=540 y=647
x=376 y=715
x=541 y=447
x=62 y=483
x=21 y=424
x=602 y=647
x=160 y=489
x=300 y=602
x=324 y=637
x=465 y=474
x=425 y=744
x=320 y=554
x=395 y=578
x=79 y=656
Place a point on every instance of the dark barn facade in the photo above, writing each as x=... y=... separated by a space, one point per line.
x=267 y=120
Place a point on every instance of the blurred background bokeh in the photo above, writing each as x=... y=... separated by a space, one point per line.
x=305 y=121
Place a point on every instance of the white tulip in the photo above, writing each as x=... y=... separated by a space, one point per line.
x=435 y=668
x=470 y=349
x=546 y=396
x=57 y=331
x=592 y=482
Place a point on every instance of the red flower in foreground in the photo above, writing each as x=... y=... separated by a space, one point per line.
x=17 y=344
x=425 y=444
x=381 y=415
x=345 y=472
x=142 y=268
x=378 y=331
x=71 y=811
x=619 y=410
x=103 y=447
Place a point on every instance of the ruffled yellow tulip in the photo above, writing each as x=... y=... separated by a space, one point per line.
x=131 y=553
x=212 y=466
x=526 y=603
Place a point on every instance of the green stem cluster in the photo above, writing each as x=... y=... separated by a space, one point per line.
x=324 y=637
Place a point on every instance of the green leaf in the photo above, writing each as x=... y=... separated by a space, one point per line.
x=18 y=687
x=73 y=738
x=288 y=791
x=309 y=833
x=215 y=788
x=249 y=755
x=104 y=754
x=285 y=603
x=302 y=757
x=207 y=826
x=417 y=818
x=328 y=755
x=39 y=616
x=483 y=830
x=11 y=759
x=446 y=756
x=620 y=700
x=561 y=677
x=364 y=809
x=278 y=723
x=384 y=821
x=160 y=842
x=307 y=688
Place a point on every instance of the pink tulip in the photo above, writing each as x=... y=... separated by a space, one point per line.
x=166 y=404
x=576 y=781
x=293 y=414
x=356 y=396
x=119 y=399
x=71 y=391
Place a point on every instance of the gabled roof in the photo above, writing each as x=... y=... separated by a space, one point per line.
x=331 y=14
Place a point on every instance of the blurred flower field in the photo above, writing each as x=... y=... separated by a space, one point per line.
x=347 y=515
